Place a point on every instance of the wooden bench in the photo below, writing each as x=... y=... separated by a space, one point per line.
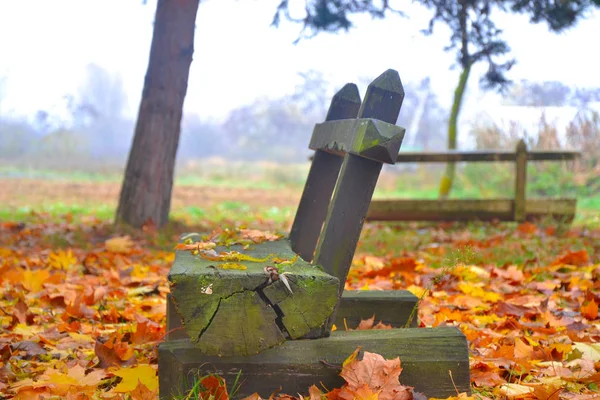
x=517 y=209
x=278 y=332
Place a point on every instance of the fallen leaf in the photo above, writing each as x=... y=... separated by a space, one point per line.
x=314 y=393
x=512 y=390
x=214 y=388
x=131 y=377
x=141 y=392
x=119 y=245
x=589 y=309
x=577 y=258
x=379 y=374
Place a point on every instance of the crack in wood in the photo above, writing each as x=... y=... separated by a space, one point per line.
x=275 y=307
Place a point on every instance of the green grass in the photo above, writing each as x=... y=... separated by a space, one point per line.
x=238 y=175
x=71 y=176
x=56 y=211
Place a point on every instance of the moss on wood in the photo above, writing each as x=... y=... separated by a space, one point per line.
x=239 y=311
x=435 y=361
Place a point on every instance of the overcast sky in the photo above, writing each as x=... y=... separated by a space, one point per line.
x=45 y=46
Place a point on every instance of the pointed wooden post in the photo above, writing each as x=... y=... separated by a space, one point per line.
x=357 y=180
x=520 y=181
x=322 y=176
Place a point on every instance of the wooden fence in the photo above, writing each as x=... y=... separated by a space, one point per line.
x=518 y=208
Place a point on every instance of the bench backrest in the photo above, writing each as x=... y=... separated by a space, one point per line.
x=350 y=149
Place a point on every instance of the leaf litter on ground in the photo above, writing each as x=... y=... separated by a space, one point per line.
x=82 y=306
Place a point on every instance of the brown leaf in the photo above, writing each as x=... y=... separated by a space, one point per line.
x=486 y=377
x=30 y=348
x=111 y=353
x=141 y=392
x=258 y=236
x=547 y=392
x=78 y=309
x=21 y=314
x=119 y=245
x=366 y=324
x=379 y=374
x=314 y=393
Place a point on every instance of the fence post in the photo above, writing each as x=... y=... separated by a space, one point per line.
x=323 y=174
x=520 y=181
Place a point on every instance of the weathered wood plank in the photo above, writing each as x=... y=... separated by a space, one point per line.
x=356 y=184
x=237 y=312
x=468 y=209
x=366 y=137
x=427 y=356
x=484 y=156
x=391 y=307
x=550 y=155
x=345 y=219
x=322 y=176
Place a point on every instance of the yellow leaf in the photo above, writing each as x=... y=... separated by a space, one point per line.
x=26 y=331
x=140 y=271
x=59 y=378
x=120 y=244
x=61 y=259
x=236 y=256
x=33 y=280
x=416 y=290
x=78 y=337
x=352 y=357
x=477 y=291
x=232 y=265
x=283 y=261
x=146 y=374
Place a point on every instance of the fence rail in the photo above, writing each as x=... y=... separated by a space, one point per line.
x=484 y=155
x=516 y=209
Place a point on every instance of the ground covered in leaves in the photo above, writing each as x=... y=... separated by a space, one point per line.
x=82 y=306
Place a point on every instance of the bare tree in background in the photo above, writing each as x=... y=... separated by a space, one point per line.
x=148 y=182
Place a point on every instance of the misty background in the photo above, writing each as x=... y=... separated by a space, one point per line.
x=70 y=84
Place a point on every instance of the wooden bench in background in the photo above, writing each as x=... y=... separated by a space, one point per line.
x=281 y=338
x=517 y=209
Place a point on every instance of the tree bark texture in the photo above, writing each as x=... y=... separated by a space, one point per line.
x=148 y=182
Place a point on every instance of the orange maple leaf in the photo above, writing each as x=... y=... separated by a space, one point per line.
x=381 y=376
x=113 y=352
x=363 y=392
x=589 y=309
x=214 y=388
x=577 y=258
x=147 y=331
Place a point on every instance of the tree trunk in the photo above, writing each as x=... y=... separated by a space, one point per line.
x=146 y=190
x=448 y=178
